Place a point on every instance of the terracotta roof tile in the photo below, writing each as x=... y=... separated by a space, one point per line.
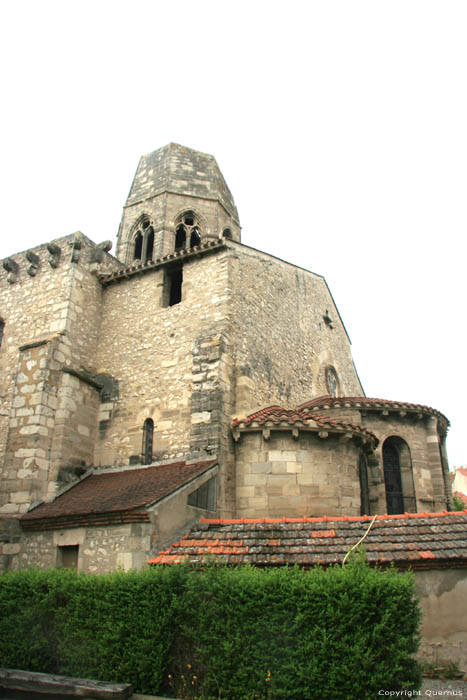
x=113 y=496
x=367 y=403
x=415 y=539
x=272 y=416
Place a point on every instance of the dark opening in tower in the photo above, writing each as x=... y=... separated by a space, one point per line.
x=173 y=285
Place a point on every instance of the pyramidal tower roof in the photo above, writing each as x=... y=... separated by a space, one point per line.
x=180 y=170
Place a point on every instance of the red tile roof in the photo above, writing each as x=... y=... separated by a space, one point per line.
x=113 y=496
x=368 y=403
x=418 y=540
x=276 y=415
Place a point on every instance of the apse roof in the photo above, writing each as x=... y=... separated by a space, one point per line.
x=275 y=416
x=364 y=402
x=180 y=170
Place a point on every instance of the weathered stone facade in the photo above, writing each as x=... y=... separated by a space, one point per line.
x=147 y=357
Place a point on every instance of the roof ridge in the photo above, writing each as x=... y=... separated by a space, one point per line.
x=328 y=518
x=368 y=400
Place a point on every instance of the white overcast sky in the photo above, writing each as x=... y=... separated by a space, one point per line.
x=340 y=127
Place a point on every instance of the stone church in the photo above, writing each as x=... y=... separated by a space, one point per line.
x=187 y=375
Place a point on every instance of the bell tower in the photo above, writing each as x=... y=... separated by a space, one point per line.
x=178 y=200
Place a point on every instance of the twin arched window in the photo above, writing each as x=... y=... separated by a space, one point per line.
x=187 y=232
x=143 y=241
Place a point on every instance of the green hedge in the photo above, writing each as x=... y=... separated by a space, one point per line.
x=235 y=634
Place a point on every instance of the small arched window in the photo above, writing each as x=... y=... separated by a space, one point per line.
x=148 y=436
x=227 y=233
x=187 y=231
x=332 y=381
x=398 y=477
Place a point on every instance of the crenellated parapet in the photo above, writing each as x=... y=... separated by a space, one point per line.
x=75 y=249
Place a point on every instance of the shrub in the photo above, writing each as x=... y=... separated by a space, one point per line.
x=237 y=634
x=341 y=633
x=115 y=627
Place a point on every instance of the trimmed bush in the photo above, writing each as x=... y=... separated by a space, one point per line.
x=236 y=634
x=115 y=627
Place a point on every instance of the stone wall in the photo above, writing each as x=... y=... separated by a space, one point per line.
x=419 y=430
x=287 y=476
x=427 y=471
x=101 y=549
x=105 y=548
x=444 y=623
x=166 y=359
x=51 y=309
x=283 y=343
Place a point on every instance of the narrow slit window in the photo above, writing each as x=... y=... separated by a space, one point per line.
x=364 y=488
x=2 y=328
x=148 y=438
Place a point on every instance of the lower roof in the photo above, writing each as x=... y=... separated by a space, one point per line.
x=418 y=540
x=113 y=496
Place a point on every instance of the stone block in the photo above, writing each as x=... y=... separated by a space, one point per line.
x=245 y=491
x=279 y=467
x=11 y=548
x=294 y=467
x=261 y=467
x=253 y=480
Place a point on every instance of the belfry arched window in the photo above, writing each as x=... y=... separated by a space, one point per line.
x=398 y=477
x=187 y=231
x=148 y=436
x=143 y=241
